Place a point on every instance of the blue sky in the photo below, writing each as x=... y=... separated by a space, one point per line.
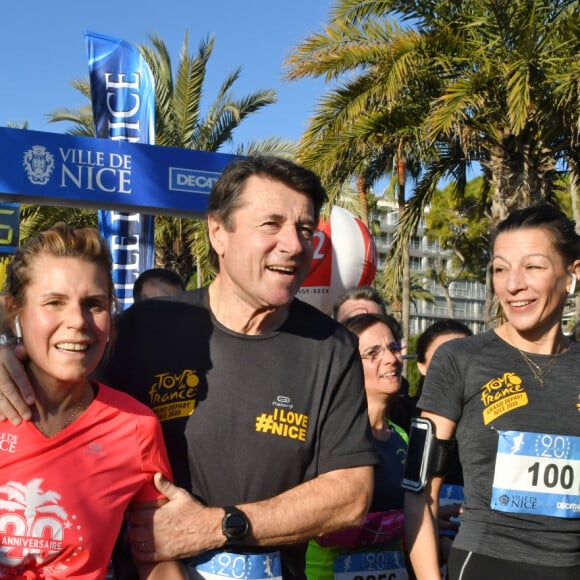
x=42 y=49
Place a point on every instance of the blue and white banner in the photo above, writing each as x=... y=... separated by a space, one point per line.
x=123 y=97
x=59 y=169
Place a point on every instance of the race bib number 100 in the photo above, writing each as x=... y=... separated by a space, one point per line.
x=537 y=473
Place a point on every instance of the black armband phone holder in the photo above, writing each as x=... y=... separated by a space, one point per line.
x=441 y=453
x=427 y=456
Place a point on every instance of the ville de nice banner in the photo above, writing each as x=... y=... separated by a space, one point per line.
x=54 y=169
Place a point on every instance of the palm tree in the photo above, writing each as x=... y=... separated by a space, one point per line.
x=458 y=83
x=364 y=129
x=35 y=218
x=181 y=243
x=499 y=64
x=567 y=93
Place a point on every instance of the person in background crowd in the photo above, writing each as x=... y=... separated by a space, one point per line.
x=434 y=336
x=428 y=342
x=379 y=539
x=89 y=452
x=512 y=397
x=157 y=282
x=255 y=390
x=359 y=300
x=451 y=496
x=366 y=299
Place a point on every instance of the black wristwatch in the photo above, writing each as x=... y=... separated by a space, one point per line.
x=235 y=525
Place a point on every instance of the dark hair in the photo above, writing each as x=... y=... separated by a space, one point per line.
x=547 y=217
x=359 y=323
x=155 y=275
x=225 y=194
x=439 y=328
x=359 y=293
x=61 y=241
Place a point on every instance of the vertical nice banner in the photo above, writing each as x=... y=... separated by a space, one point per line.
x=123 y=98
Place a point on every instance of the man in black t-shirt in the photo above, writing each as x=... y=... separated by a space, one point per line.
x=260 y=395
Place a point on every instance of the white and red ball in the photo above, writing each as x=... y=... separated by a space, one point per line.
x=345 y=256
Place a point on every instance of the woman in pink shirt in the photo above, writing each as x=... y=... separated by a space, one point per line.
x=68 y=476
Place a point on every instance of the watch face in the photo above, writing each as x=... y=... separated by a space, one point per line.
x=235 y=526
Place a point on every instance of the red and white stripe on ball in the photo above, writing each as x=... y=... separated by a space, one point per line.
x=345 y=256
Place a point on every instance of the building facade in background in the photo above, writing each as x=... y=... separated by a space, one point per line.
x=467 y=296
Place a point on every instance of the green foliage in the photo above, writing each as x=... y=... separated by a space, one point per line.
x=461 y=224
x=180 y=118
x=35 y=218
x=562 y=194
x=456 y=82
x=413 y=375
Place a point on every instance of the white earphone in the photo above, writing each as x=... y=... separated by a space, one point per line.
x=18 y=329
x=573 y=285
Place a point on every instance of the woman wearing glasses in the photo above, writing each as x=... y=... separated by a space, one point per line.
x=376 y=546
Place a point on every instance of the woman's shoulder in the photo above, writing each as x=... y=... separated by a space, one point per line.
x=468 y=345
x=123 y=402
x=464 y=355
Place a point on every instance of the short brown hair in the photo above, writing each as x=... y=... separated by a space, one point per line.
x=225 y=194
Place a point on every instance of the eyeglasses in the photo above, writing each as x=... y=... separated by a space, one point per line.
x=374 y=352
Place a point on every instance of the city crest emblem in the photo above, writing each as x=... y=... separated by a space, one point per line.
x=39 y=164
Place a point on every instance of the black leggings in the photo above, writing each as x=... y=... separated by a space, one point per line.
x=465 y=565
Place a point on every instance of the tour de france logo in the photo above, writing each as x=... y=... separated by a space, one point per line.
x=39 y=164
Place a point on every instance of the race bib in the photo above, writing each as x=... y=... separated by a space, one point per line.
x=537 y=473
x=450 y=494
x=386 y=565
x=219 y=565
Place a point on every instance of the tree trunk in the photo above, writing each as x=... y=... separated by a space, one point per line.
x=448 y=300
x=406 y=290
x=488 y=308
x=520 y=177
x=574 y=182
x=362 y=194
